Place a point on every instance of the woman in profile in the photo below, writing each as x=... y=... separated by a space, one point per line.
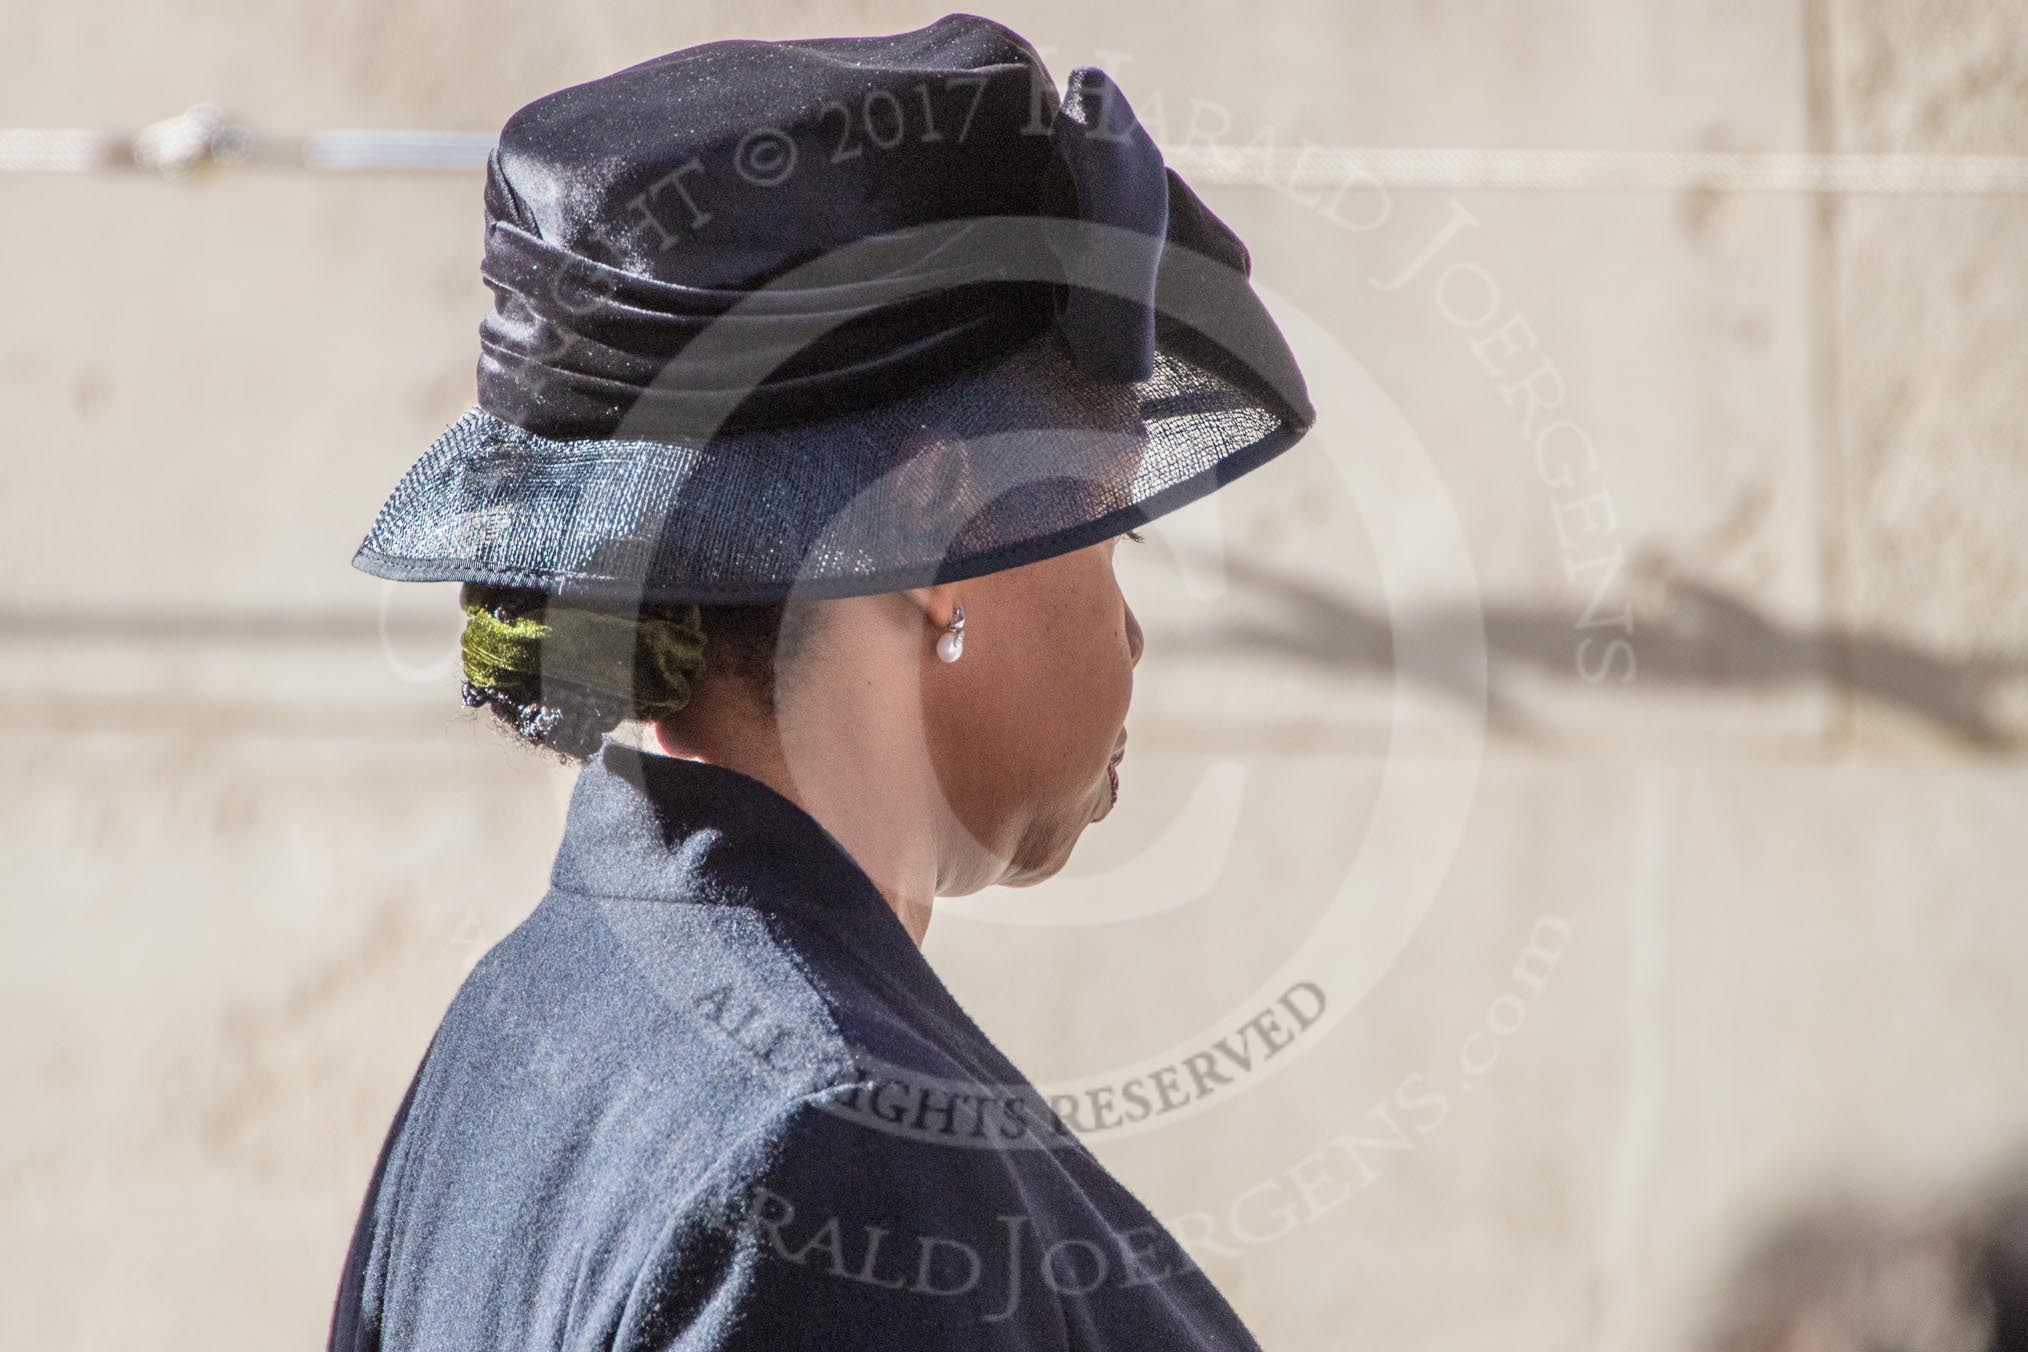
x=824 y=379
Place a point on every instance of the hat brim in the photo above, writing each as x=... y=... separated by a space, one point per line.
x=1008 y=462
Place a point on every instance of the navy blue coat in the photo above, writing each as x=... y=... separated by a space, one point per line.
x=711 y=1095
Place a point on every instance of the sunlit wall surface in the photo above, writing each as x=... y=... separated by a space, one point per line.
x=1568 y=884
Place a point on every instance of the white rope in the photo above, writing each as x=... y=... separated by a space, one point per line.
x=401 y=150
x=1608 y=170
x=203 y=137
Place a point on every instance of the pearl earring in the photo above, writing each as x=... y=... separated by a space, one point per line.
x=951 y=645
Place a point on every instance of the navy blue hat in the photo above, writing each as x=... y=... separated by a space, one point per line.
x=834 y=316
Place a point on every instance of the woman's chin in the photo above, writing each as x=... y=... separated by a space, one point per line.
x=1108 y=794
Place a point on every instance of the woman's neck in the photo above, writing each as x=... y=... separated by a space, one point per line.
x=837 y=774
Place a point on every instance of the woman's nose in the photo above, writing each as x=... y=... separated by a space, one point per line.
x=1136 y=641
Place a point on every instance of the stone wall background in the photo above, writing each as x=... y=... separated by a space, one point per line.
x=253 y=843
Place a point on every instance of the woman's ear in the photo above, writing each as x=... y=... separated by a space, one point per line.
x=938 y=604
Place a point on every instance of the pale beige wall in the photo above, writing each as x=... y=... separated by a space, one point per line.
x=1772 y=883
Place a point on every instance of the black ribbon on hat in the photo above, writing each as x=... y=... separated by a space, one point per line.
x=574 y=347
x=1116 y=177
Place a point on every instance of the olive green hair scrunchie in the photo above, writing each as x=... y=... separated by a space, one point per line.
x=650 y=663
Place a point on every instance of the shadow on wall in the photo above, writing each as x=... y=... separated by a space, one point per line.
x=1856 y=1276
x=1687 y=635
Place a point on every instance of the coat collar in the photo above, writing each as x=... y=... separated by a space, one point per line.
x=660 y=827
x=651 y=827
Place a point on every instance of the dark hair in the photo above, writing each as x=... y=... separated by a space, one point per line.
x=569 y=719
